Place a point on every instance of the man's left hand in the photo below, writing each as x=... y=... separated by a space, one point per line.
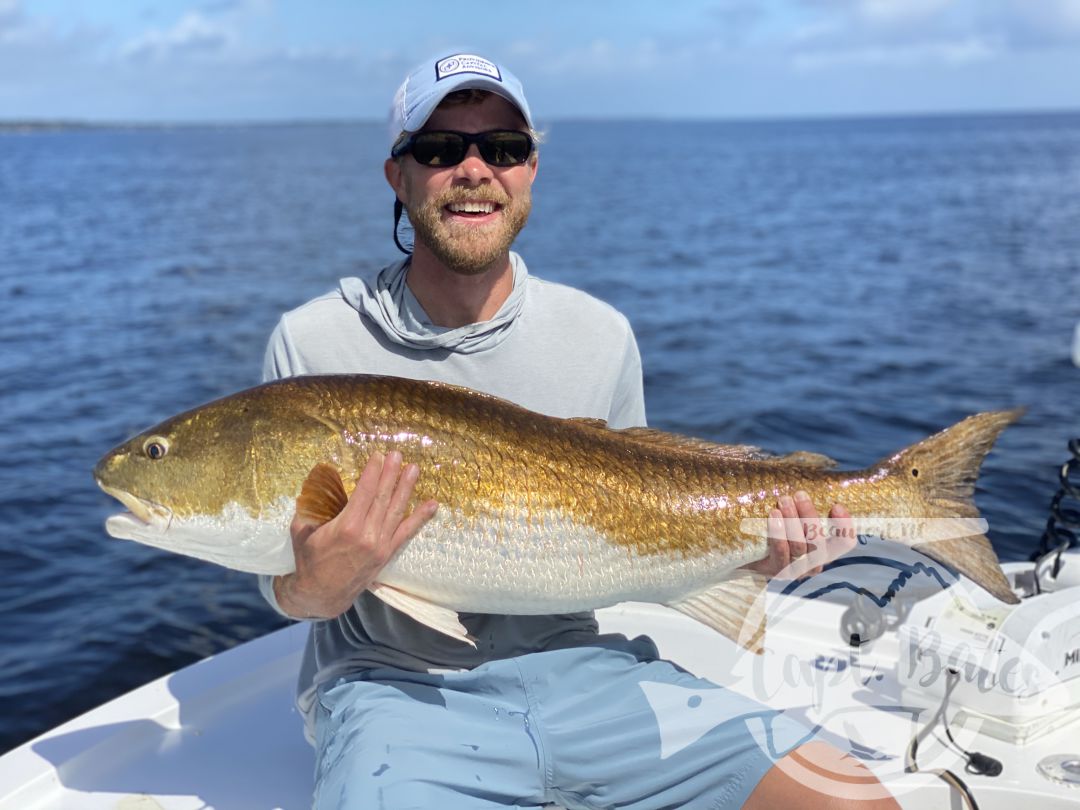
x=800 y=543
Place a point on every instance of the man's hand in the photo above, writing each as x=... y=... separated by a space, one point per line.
x=339 y=559
x=800 y=543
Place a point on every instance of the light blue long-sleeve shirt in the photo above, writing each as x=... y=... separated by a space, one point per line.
x=550 y=348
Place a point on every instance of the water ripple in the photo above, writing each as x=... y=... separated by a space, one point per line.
x=845 y=286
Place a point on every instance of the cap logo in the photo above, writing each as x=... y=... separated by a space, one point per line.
x=466 y=63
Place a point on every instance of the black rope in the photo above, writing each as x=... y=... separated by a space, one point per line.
x=398 y=209
x=1064 y=521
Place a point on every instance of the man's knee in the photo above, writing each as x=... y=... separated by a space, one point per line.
x=817 y=775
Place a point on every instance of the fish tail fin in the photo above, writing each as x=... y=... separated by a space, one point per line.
x=943 y=469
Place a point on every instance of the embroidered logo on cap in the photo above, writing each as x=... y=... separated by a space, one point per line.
x=466 y=63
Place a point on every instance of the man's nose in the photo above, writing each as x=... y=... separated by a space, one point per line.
x=474 y=168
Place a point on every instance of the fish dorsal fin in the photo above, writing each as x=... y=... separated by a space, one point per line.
x=322 y=497
x=734 y=608
x=805 y=458
x=589 y=421
x=734 y=452
x=675 y=441
x=427 y=613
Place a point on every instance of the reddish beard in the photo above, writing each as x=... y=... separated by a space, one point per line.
x=464 y=248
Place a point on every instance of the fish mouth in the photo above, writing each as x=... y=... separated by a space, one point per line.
x=142 y=513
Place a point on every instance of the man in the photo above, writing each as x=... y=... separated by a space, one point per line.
x=542 y=709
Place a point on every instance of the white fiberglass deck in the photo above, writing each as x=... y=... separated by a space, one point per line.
x=223 y=733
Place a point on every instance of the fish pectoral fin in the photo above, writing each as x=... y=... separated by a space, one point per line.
x=322 y=496
x=427 y=613
x=735 y=608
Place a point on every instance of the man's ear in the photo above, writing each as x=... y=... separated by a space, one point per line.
x=394 y=176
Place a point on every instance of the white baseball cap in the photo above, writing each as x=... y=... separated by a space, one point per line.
x=429 y=83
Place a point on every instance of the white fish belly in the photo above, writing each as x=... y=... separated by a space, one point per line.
x=234 y=539
x=537 y=563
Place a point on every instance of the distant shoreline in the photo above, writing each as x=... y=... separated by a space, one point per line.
x=45 y=125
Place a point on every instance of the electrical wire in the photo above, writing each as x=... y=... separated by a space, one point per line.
x=977 y=764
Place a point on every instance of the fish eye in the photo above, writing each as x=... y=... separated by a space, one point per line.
x=156 y=448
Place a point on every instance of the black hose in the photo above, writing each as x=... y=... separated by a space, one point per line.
x=1064 y=521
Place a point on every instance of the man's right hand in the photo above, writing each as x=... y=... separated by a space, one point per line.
x=337 y=560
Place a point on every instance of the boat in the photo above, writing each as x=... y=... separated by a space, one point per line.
x=855 y=661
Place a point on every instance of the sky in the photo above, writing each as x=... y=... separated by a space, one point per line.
x=253 y=60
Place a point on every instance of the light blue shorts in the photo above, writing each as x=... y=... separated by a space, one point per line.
x=607 y=725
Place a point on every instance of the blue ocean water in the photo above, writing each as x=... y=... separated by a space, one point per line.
x=847 y=286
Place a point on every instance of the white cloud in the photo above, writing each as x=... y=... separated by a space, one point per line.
x=203 y=64
x=214 y=60
x=906 y=24
x=600 y=56
x=1028 y=25
x=890 y=12
x=736 y=19
x=950 y=52
x=914 y=33
x=37 y=52
x=10 y=14
x=192 y=34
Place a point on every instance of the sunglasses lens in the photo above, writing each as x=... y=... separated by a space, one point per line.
x=445 y=148
x=439 y=148
x=505 y=148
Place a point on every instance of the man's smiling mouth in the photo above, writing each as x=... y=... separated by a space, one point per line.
x=473 y=208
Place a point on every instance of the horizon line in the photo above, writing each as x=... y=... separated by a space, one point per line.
x=41 y=123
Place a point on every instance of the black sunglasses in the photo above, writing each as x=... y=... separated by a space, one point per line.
x=498 y=147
